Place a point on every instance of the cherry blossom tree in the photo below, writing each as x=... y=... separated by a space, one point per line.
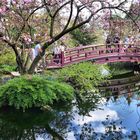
x=22 y=22
x=134 y=12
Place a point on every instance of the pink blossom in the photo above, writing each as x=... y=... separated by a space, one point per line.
x=2 y=10
x=27 y=1
x=3 y=2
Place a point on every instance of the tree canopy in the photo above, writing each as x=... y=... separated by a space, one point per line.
x=23 y=22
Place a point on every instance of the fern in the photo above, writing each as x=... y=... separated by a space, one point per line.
x=34 y=91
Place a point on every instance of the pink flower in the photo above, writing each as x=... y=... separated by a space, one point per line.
x=27 y=1
x=2 y=10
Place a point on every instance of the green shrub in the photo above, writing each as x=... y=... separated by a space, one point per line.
x=33 y=91
x=82 y=76
x=7 y=57
x=119 y=68
x=83 y=37
x=6 y=68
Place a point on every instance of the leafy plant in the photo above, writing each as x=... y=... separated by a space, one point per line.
x=83 y=37
x=6 y=68
x=83 y=76
x=34 y=91
x=120 y=68
x=6 y=56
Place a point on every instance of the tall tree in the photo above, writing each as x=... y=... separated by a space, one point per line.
x=22 y=22
x=134 y=10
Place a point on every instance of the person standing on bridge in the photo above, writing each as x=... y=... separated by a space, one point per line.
x=108 y=41
x=116 y=41
x=56 y=53
x=128 y=41
x=108 y=44
x=62 y=49
x=132 y=41
x=58 y=50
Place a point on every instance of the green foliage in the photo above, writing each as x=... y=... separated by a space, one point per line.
x=82 y=76
x=83 y=37
x=7 y=56
x=6 y=68
x=14 y=32
x=33 y=91
x=70 y=42
x=120 y=68
x=88 y=102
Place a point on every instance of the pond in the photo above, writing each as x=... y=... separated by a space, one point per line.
x=112 y=118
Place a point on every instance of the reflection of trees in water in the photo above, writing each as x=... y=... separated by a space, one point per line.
x=125 y=103
x=88 y=102
x=16 y=125
x=113 y=131
x=53 y=125
x=56 y=124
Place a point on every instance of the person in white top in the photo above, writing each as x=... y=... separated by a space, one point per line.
x=132 y=41
x=34 y=52
x=127 y=41
x=56 y=52
x=37 y=48
x=62 y=48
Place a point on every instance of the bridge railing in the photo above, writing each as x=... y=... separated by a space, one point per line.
x=92 y=52
x=79 y=54
x=95 y=48
x=68 y=55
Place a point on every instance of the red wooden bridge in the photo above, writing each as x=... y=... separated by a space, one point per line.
x=97 y=54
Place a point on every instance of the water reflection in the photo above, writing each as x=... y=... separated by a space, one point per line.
x=96 y=117
x=115 y=120
x=33 y=124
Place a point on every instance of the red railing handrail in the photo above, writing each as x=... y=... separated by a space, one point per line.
x=82 y=53
x=84 y=47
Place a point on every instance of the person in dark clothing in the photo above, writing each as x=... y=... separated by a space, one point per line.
x=116 y=41
x=108 y=42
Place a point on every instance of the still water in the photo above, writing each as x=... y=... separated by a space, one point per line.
x=110 y=118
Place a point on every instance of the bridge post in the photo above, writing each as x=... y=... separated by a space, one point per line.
x=62 y=58
x=70 y=58
x=85 y=54
x=78 y=53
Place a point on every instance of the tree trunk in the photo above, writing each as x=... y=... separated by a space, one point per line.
x=20 y=65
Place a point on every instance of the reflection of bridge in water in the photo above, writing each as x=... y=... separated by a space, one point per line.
x=122 y=85
x=95 y=53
